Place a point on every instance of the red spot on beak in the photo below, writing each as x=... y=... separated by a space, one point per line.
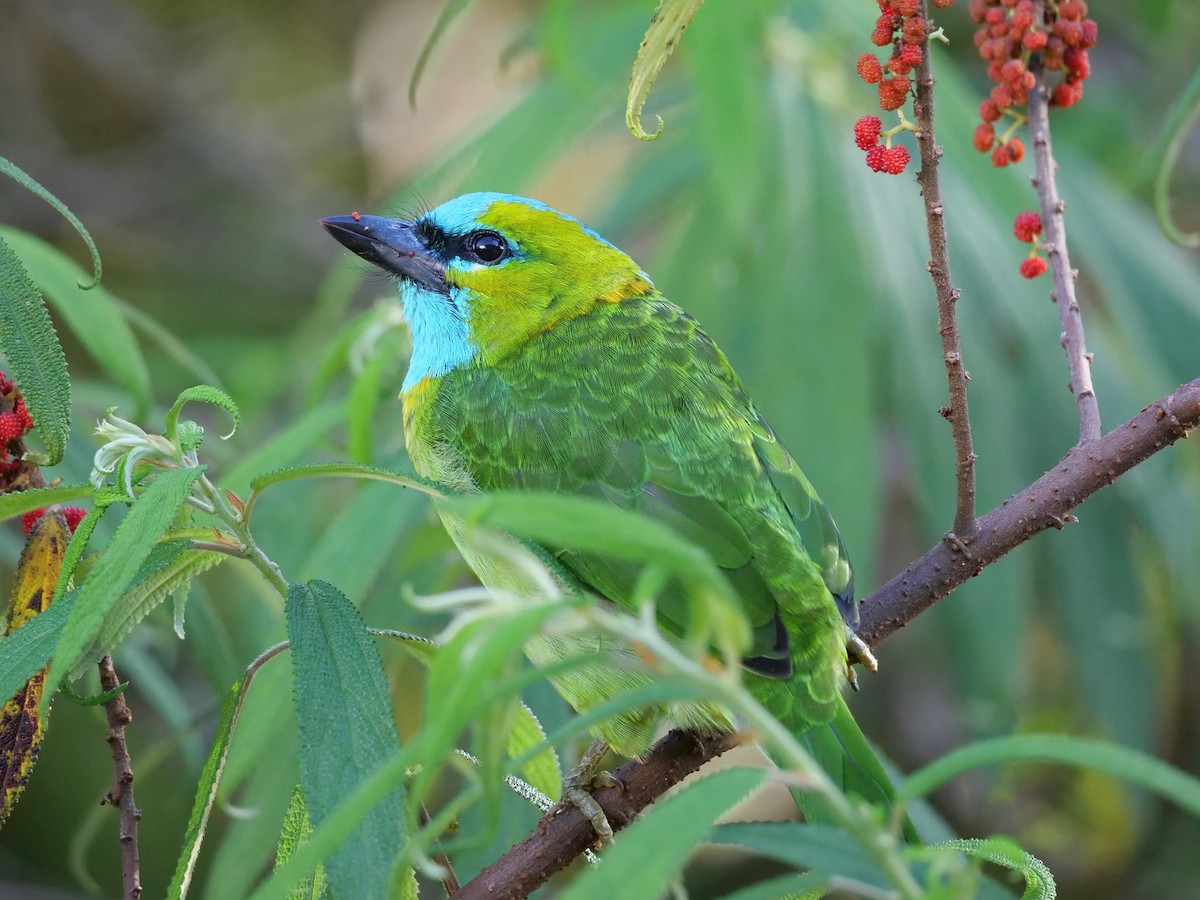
x=412 y=253
x=355 y=216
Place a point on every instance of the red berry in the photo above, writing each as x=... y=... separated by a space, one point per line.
x=866 y=132
x=989 y=111
x=906 y=7
x=1026 y=225
x=1002 y=96
x=6 y=385
x=910 y=55
x=893 y=92
x=1076 y=61
x=1023 y=14
x=29 y=518
x=1072 y=9
x=1034 y=40
x=1033 y=266
x=895 y=159
x=977 y=10
x=985 y=135
x=20 y=410
x=875 y=159
x=74 y=515
x=1012 y=71
x=1016 y=150
x=869 y=69
x=884 y=29
x=1089 y=33
x=999 y=156
x=12 y=426
x=943 y=4
x=994 y=16
x=1067 y=94
x=914 y=30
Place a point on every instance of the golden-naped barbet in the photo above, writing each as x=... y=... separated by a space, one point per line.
x=545 y=358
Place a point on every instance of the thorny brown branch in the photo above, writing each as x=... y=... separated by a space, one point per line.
x=1079 y=361
x=121 y=793
x=947 y=301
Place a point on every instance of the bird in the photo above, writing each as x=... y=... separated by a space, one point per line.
x=544 y=358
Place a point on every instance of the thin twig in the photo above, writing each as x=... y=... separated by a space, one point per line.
x=559 y=839
x=450 y=879
x=121 y=794
x=947 y=301
x=1079 y=361
x=1044 y=504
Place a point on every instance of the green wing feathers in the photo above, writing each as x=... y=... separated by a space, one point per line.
x=633 y=403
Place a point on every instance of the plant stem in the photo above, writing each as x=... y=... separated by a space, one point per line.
x=121 y=793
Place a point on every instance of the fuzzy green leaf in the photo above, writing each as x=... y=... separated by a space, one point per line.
x=202 y=393
x=20 y=502
x=134 y=539
x=34 y=355
x=657 y=845
x=298 y=828
x=22 y=177
x=92 y=317
x=347 y=731
x=1039 y=881
x=666 y=27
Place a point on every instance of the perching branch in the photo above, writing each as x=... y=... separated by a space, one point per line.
x=121 y=793
x=559 y=839
x=947 y=300
x=1079 y=361
x=1046 y=503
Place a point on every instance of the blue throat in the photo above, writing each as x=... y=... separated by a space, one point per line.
x=440 y=336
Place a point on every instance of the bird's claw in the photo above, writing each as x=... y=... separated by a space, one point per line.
x=583 y=780
x=857 y=651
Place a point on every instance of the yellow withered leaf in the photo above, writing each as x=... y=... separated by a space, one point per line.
x=21 y=727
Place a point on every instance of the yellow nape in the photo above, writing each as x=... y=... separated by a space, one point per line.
x=560 y=270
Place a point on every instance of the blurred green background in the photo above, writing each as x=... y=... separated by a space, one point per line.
x=200 y=143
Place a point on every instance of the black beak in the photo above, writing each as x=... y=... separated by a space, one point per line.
x=392 y=244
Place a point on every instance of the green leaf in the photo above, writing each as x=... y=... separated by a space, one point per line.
x=822 y=848
x=347 y=731
x=298 y=828
x=202 y=393
x=20 y=175
x=1183 y=116
x=93 y=318
x=1120 y=762
x=210 y=777
x=25 y=650
x=796 y=886
x=666 y=27
x=35 y=357
x=451 y=11
x=169 y=567
x=18 y=503
x=286 y=445
x=364 y=401
x=134 y=539
x=657 y=845
x=1039 y=881
x=338 y=470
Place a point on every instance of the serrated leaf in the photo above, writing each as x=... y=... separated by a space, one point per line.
x=347 y=731
x=169 y=567
x=24 y=178
x=134 y=539
x=201 y=393
x=21 y=723
x=657 y=845
x=34 y=355
x=1039 y=880
x=666 y=26
x=92 y=316
x=298 y=828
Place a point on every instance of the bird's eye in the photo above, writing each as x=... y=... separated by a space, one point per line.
x=487 y=247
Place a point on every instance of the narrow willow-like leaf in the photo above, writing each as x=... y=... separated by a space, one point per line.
x=21 y=725
x=27 y=649
x=347 y=731
x=338 y=470
x=201 y=393
x=21 y=176
x=1039 y=881
x=35 y=358
x=134 y=539
x=169 y=567
x=298 y=828
x=18 y=503
x=1180 y=122
x=822 y=848
x=364 y=401
x=1130 y=765
x=451 y=11
x=210 y=777
x=657 y=845
x=666 y=27
x=797 y=886
x=92 y=317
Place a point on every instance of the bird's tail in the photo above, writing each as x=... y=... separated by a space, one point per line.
x=842 y=751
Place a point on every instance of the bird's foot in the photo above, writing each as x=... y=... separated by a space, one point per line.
x=583 y=780
x=857 y=651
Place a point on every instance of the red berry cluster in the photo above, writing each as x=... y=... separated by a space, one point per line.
x=900 y=25
x=1027 y=227
x=14 y=424
x=1007 y=35
x=73 y=514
